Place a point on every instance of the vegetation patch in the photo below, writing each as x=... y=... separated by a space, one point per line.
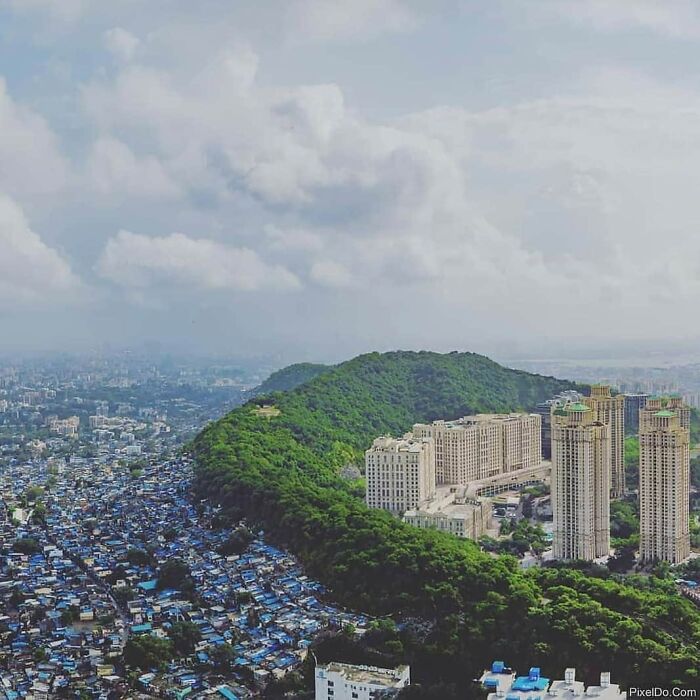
x=284 y=475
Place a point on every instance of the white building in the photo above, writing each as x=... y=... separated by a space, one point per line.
x=400 y=473
x=336 y=681
x=502 y=682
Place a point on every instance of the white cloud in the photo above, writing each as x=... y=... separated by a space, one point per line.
x=673 y=18
x=30 y=271
x=31 y=162
x=559 y=186
x=121 y=43
x=135 y=262
x=329 y=273
x=323 y=20
x=413 y=203
x=63 y=10
x=113 y=169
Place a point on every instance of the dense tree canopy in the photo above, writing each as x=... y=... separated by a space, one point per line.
x=282 y=472
x=290 y=377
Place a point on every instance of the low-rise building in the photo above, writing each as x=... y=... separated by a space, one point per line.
x=450 y=511
x=336 y=681
x=501 y=681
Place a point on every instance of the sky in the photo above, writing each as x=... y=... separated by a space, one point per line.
x=316 y=178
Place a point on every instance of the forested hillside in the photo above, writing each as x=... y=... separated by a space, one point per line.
x=290 y=377
x=282 y=470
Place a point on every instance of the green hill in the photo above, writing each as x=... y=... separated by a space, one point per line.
x=290 y=377
x=281 y=470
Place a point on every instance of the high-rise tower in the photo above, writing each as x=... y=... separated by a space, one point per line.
x=664 y=482
x=580 y=483
x=610 y=410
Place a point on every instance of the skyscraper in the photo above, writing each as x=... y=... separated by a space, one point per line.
x=580 y=483
x=610 y=410
x=545 y=409
x=634 y=403
x=664 y=483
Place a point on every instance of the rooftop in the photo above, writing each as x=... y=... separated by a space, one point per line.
x=577 y=407
x=372 y=675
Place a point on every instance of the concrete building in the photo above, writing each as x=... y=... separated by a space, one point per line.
x=634 y=403
x=664 y=483
x=476 y=447
x=610 y=410
x=400 y=472
x=451 y=511
x=502 y=682
x=580 y=483
x=675 y=403
x=544 y=410
x=336 y=681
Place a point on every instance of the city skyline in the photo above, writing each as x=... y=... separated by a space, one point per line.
x=274 y=176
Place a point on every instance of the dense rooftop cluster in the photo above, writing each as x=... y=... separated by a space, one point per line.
x=93 y=575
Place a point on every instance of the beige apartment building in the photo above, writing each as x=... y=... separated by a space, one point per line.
x=400 y=472
x=477 y=447
x=580 y=483
x=671 y=403
x=664 y=483
x=610 y=410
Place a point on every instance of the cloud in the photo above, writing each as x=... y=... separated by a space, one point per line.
x=121 y=43
x=329 y=273
x=62 y=10
x=580 y=176
x=29 y=152
x=113 y=168
x=135 y=261
x=30 y=271
x=325 y=21
x=676 y=18
x=538 y=196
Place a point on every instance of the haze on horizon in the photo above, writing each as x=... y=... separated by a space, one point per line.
x=316 y=179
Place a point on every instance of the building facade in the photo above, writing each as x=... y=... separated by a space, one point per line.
x=580 y=483
x=476 y=447
x=336 y=681
x=500 y=681
x=452 y=512
x=634 y=403
x=664 y=484
x=544 y=410
x=400 y=472
x=610 y=410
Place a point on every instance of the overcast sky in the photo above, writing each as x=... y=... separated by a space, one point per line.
x=319 y=178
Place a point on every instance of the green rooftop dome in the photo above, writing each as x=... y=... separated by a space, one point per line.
x=665 y=414
x=577 y=407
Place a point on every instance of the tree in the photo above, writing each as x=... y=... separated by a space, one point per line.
x=185 y=636
x=148 y=652
x=137 y=557
x=237 y=542
x=175 y=573
x=26 y=545
x=33 y=493
x=220 y=657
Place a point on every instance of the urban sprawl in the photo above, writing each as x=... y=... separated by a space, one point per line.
x=115 y=581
